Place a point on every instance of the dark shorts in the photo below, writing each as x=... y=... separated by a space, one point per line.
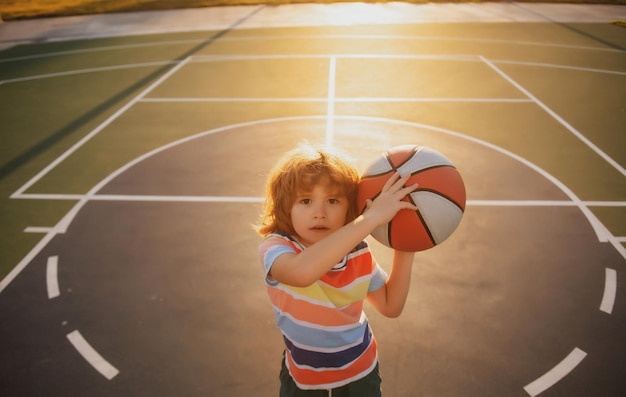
x=365 y=387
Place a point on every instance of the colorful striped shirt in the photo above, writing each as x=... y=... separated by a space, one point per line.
x=328 y=339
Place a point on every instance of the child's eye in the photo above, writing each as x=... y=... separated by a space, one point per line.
x=333 y=201
x=305 y=201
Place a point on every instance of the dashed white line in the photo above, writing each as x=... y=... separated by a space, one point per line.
x=92 y=356
x=610 y=288
x=52 y=280
x=557 y=373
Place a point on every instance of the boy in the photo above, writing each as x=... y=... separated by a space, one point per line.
x=319 y=270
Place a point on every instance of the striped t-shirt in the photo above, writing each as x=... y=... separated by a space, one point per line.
x=327 y=336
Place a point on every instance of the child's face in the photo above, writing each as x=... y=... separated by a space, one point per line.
x=318 y=213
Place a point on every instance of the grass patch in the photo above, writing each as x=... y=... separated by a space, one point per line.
x=27 y=9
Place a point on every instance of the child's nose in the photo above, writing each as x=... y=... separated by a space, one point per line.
x=320 y=212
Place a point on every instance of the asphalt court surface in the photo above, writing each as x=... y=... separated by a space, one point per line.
x=142 y=160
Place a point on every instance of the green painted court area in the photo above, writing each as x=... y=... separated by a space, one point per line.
x=141 y=161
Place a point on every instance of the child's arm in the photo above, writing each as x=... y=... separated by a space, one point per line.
x=390 y=298
x=308 y=266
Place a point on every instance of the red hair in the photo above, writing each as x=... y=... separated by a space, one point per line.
x=298 y=171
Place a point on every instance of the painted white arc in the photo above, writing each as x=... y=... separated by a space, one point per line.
x=92 y=356
x=52 y=280
x=610 y=288
x=557 y=373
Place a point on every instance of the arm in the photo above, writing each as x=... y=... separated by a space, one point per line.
x=389 y=299
x=308 y=266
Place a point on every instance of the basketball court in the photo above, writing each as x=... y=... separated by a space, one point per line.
x=134 y=166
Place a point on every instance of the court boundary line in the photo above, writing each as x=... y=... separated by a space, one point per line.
x=336 y=100
x=423 y=38
x=163 y=63
x=89 y=70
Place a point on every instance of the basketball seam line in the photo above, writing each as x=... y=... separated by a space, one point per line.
x=395 y=169
x=448 y=198
x=424 y=223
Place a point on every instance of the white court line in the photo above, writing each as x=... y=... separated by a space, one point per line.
x=339 y=100
x=307 y=37
x=91 y=355
x=553 y=66
x=225 y=99
x=439 y=57
x=181 y=199
x=47 y=196
x=420 y=38
x=556 y=374
x=52 y=280
x=51 y=277
x=369 y=56
x=38 y=229
x=558 y=118
x=99 y=49
x=89 y=70
x=255 y=199
x=330 y=109
x=610 y=288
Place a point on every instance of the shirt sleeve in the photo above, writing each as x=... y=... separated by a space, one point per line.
x=379 y=278
x=270 y=249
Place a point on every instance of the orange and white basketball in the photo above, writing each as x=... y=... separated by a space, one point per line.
x=440 y=197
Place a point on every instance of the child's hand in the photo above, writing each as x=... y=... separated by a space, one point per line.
x=389 y=201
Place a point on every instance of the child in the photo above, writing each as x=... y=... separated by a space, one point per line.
x=319 y=270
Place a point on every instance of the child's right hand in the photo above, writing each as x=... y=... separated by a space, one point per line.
x=389 y=201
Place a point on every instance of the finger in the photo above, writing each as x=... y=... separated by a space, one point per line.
x=399 y=184
x=391 y=181
x=408 y=206
x=405 y=191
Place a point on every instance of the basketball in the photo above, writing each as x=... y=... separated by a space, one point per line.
x=440 y=197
